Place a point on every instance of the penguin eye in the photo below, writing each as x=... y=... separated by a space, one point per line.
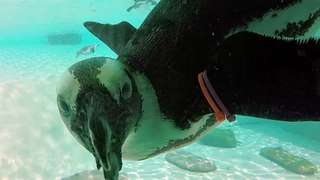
x=126 y=90
x=63 y=106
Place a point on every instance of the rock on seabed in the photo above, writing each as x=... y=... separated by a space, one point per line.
x=189 y=161
x=219 y=138
x=289 y=161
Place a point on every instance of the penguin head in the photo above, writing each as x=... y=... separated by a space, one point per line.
x=100 y=105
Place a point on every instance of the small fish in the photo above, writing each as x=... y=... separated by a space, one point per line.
x=87 y=50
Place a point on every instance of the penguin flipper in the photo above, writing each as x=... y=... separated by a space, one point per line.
x=115 y=36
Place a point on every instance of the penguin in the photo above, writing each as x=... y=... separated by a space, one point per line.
x=148 y=101
x=115 y=115
x=138 y=3
x=87 y=50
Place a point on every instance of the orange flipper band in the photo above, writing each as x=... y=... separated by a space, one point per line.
x=216 y=104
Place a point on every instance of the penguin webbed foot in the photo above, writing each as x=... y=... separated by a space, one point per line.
x=130 y=8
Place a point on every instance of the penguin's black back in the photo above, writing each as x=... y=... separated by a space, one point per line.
x=178 y=40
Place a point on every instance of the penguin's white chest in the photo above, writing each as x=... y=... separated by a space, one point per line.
x=159 y=136
x=155 y=134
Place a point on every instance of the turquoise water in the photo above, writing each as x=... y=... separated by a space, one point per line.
x=35 y=143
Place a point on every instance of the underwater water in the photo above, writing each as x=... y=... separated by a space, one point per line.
x=35 y=144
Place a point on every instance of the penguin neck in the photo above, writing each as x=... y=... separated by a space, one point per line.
x=168 y=135
x=150 y=105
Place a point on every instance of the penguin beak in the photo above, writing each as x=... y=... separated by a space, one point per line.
x=106 y=149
